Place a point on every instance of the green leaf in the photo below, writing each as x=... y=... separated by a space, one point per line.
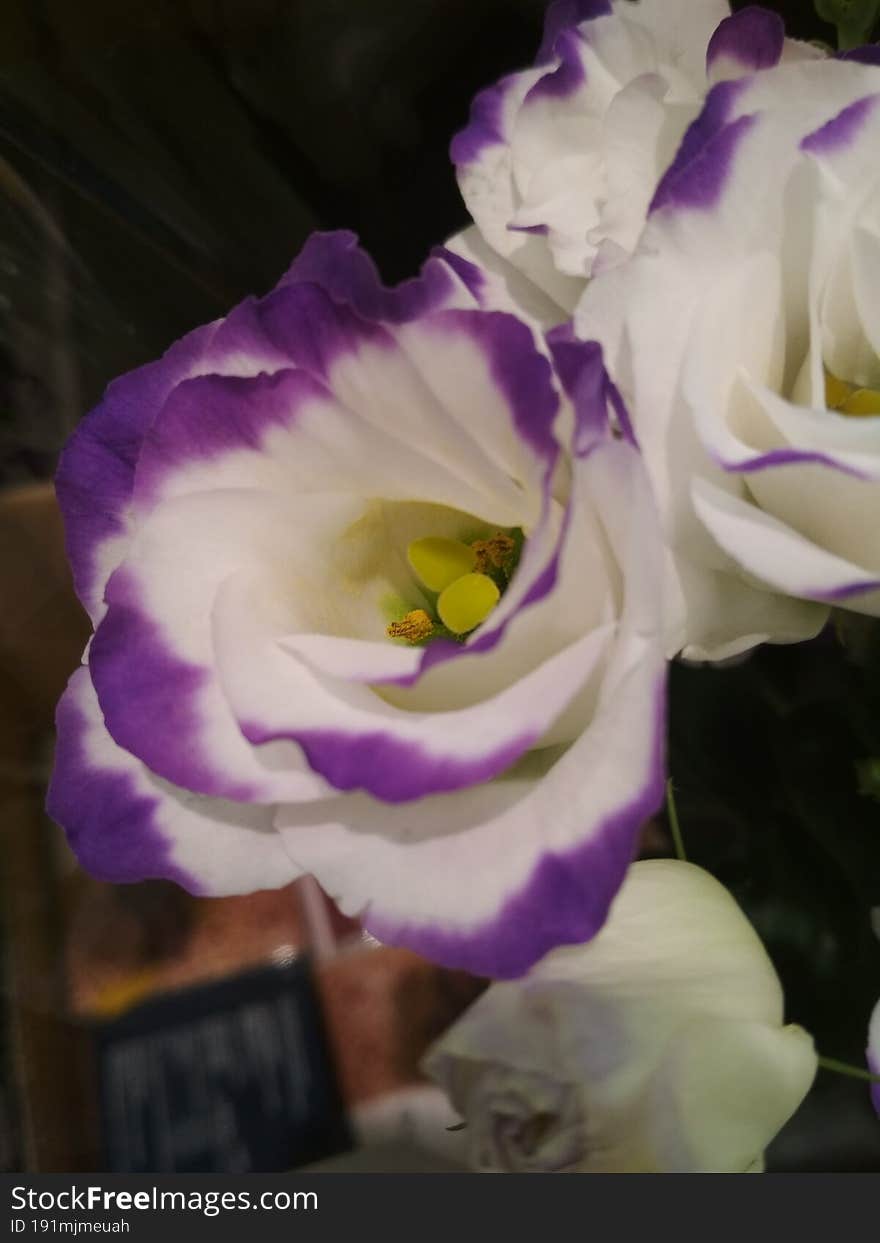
x=854 y=19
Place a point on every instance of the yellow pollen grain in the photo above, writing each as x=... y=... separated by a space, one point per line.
x=413 y=627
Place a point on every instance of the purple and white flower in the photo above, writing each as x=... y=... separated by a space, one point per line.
x=657 y=1048
x=376 y=594
x=559 y=162
x=745 y=333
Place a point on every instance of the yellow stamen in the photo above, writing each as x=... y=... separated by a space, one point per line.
x=495 y=553
x=847 y=399
x=437 y=562
x=413 y=627
x=467 y=602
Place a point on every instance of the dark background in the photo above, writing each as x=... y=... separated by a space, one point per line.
x=160 y=161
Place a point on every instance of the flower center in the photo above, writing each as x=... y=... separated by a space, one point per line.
x=463 y=581
x=846 y=398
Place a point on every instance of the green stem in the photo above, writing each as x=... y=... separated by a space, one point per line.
x=845 y=1068
x=674 y=826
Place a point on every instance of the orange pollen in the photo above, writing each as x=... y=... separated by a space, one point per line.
x=413 y=627
x=496 y=552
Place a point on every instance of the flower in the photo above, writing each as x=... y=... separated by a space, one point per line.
x=657 y=1048
x=558 y=163
x=745 y=333
x=376 y=597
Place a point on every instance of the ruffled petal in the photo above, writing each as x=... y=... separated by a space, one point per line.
x=779 y=555
x=151 y=658
x=748 y=40
x=125 y=824
x=490 y=878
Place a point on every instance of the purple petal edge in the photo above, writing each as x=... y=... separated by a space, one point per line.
x=581 y=370
x=563 y=14
x=485 y=127
x=696 y=176
x=211 y=415
x=566 y=77
x=565 y=901
x=110 y=827
x=842 y=129
x=786 y=457
x=336 y=263
x=148 y=697
x=754 y=37
x=471 y=276
x=845 y=592
x=96 y=469
x=390 y=769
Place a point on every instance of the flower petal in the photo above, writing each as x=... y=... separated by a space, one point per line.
x=727 y=1089
x=357 y=741
x=780 y=556
x=96 y=470
x=124 y=824
x=748 y=40
x=491 y=878
x=335 y=262
x=151 y=657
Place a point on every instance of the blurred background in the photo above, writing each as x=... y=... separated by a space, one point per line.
x=157 y=164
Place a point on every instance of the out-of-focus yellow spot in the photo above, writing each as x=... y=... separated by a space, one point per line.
x=467 y=602
x=117 y=998
x=861 y=402
x=495 y=553
x=437 y=562
x=846 y=399
x=412 y=627
x=836 y=391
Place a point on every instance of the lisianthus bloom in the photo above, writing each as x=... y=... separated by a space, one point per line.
x=559 y=162
x=746 y=335
x=657 y=1048
x=376 y=596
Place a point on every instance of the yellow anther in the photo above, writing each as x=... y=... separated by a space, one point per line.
x=413 y=627
x=437 y=562
x=467 y=602
x=847 y=399
x=495 y=553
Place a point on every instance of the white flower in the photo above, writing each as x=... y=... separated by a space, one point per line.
x=745 y=333
x=559 y=162
x=376 y=595
x=658 y=1047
